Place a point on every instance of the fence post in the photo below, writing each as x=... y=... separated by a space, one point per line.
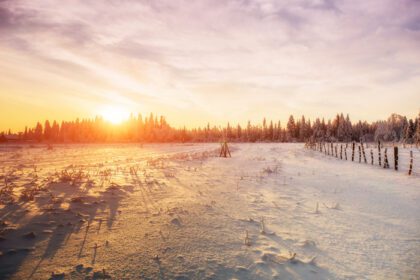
x=345 y=150
x=371 y=156
x=332 y=148
x=379 y=153
x=341 y=151
x=363 y=152
x=386 y=163
x=396 y=158
x=410 y=169
x=352 y=153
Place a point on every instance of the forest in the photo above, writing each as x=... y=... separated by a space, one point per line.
x=153 y=128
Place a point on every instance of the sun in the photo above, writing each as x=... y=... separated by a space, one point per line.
x=114 y=114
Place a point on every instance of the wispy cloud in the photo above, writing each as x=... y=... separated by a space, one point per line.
x=198 y=59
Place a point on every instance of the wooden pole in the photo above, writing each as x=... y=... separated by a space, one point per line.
x=396 y=158
x=371 y=156
x=363 y=152
x=360 y=154
x=227 y=152
x=345 y=152
x=224 y=150
x=352 y=153
x=386 y=163
x=379 y=153
x=227 y=148
x=341 y=151
x=410 y=169
x=331 y=149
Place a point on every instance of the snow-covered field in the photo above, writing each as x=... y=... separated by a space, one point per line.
x=272 y=211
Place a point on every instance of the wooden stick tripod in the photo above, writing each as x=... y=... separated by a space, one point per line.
x=224 y=151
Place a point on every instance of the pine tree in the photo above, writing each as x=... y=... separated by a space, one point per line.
x=418 y=129
x=47 y=130
x=302 y=129
x=239 y=133
x=38 y=132
x=271 y=132
x=264 y=130
x=25 y=134
x=291 y=127
x=279 y=133
x=410 y=131
x=55 y=130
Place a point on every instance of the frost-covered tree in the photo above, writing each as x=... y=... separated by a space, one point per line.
x=417 y=135
x=291 y=127
x=156 y=129
x=410 y=131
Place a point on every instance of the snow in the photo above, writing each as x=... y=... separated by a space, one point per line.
x=177 y=211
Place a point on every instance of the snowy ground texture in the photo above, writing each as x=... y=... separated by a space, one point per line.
x=272 y=211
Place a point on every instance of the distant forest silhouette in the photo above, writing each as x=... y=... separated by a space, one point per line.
x=156 y=129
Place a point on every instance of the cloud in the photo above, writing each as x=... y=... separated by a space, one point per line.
x=179 y=53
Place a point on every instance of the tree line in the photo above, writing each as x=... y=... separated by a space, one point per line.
x=155 y=128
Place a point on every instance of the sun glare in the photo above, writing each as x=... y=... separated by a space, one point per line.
x=114 y=114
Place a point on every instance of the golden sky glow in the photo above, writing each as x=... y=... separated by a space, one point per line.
x=114 y=114
x=208 y=61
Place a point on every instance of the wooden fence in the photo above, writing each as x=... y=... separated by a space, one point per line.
x=332 y=148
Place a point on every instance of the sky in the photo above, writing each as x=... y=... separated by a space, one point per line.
x=208 y=61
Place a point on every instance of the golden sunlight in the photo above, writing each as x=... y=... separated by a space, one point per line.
x=114 y=114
